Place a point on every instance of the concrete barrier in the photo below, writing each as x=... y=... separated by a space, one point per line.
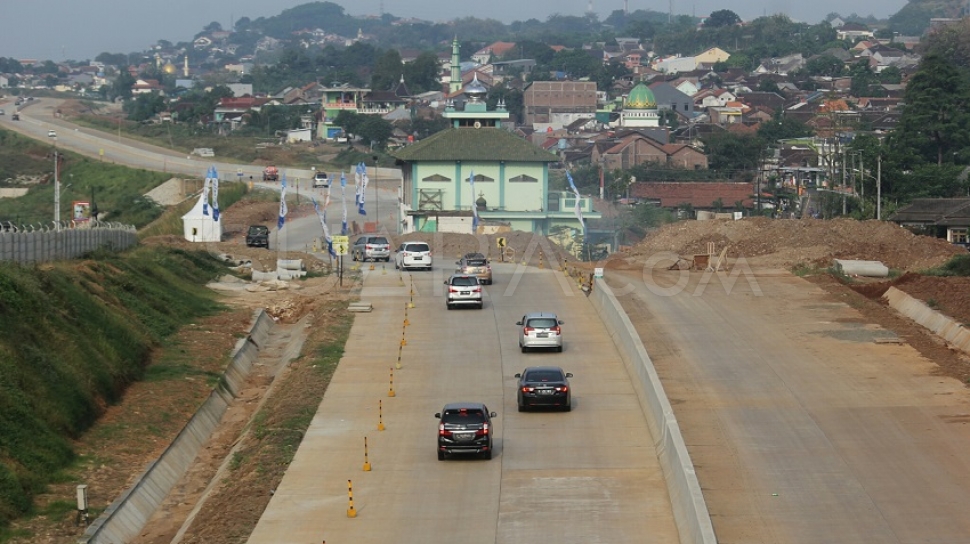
x=128 y=514
x=689 y=508
x=946 y=328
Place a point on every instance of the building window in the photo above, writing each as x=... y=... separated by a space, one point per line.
x=959 y=236
x=522 y=178
x=479 y=178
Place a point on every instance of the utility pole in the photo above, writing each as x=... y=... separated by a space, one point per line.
x=878 y=187
x=57 y=194
x=377 y=197
x=843 y=181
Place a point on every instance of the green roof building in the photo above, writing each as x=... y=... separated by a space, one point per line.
x=510 y=184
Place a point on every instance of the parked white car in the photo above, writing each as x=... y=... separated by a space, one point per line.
x=413 y=255
x=321 y=180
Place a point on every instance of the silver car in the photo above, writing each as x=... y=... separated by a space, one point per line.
x=540 y=330
x=369 y=247
x=463 y=290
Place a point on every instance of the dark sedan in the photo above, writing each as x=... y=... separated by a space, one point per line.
x=545 y=386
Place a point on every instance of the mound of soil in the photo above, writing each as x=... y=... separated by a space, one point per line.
x=774 y=243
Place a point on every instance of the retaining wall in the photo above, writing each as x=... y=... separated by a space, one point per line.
x=54 y=242
x=689 y=508
x=129 y=513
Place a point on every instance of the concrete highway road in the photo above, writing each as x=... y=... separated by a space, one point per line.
x=806 y=424
x=589 y=475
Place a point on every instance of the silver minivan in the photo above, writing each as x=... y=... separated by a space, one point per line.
x=413 y=255
x=540 y=330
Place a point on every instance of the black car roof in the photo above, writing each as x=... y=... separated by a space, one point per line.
x=463 y=406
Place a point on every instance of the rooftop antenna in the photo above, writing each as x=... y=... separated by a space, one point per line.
x=670 y=12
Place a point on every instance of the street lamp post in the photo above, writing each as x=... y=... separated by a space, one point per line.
x=377 y=196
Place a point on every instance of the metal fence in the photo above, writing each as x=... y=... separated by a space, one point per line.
x=61 y=241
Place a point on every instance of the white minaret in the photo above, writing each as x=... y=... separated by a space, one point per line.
x=185 y=66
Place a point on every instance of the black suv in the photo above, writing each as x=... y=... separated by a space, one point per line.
x=257 y=236
x=465 y=427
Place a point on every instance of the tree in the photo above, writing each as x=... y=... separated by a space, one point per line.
x=768 y=86
x=113 y=59
x=387 y=71
x=731 y=154
x=782 y=128
x=721 y=18
x=421 y=74
x=935 y=121
x=144 y=106
x=375 y=130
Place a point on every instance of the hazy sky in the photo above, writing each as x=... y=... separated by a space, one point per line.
x=82 y=29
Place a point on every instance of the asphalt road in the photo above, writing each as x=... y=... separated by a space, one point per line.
x=381 y=202
x=589 y=475
x=805 y=425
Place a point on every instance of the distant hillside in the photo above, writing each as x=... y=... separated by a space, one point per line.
x=914 y=18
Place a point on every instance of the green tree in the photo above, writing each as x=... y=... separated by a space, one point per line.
x=387 y=71
x=722 y=18
x=732 y=155
x=768 y=86
x=144 y=106
x=936 y=118
x=782 y=128
x=421 y=74
x=825 y=65
x=864 y=81
x=118 y=60
x=121 y=87
x=375 y=130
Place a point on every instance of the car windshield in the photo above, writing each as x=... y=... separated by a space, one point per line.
x=544 y=376
x=463 y=416
x=463 y=281
x=542 y=323
x=417 y=247
x=258 y=230
x=377 y=240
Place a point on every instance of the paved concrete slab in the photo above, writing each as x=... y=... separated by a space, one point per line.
x=589 y=475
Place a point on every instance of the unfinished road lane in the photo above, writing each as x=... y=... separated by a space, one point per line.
x=589 y=475
x=804 y=424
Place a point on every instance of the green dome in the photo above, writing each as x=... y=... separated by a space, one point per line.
x=641 y=98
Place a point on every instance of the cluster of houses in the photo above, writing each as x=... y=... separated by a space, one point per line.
x=656 y=115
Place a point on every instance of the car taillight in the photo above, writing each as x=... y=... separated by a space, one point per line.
x=477 y=289
x=404 y=253
x=442 y=431
x=452 y=289
x=562 y=388
x=527 y=330
x=483 y=431
x=528 y=389
x=555 y=330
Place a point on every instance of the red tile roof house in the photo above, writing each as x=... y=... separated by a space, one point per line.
x=699 y=195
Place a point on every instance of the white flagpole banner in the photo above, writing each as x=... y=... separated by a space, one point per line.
x=205 y=193
x=471 y=182
x=215 y=194
x=343 y=197
x=579 y=209
x=283 y=210
x=326 y=230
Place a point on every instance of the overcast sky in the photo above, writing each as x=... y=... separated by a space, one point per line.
x=82 y=29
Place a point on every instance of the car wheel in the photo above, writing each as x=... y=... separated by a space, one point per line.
x=567 y=408
x=448 y=305
x=487 y=454
x=481 y=305
x=441 y=455
x=524 y=349
x=558 y=349
x=521 y=408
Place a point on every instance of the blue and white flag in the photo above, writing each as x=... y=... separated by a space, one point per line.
x=326 y=230
x=579 y=209
x=471 y=181
x=343 y=198
x=205 y=193
x=215 y=193
x=360 y=177
x=283 y=211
